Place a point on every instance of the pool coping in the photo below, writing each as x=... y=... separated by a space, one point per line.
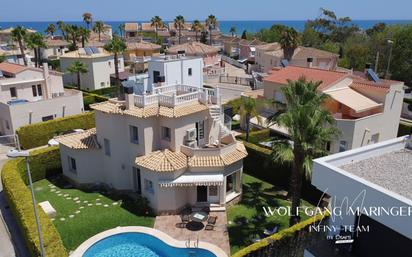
x=150 y=231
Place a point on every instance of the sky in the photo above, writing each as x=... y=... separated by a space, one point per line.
x=136 y=10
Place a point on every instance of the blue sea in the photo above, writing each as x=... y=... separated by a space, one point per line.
x=250 y=26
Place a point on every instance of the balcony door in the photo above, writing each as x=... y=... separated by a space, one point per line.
x=201 y=194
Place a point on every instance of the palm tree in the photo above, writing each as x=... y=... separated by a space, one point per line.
x=88 y=19
x=51 y=29
x=2 y=58
x=18 y=34
x=116 y=46
x=77 y=67
x=98 y=28
x=84 y=35
x=121 y=30
x=73 y=34
x=179 y=23
x=157 y=23
x=35 y=41
x=232 y=31
x=310 y=127
x=197 y=27
x=62 y=28
x=247 y=111
x=211 y=23
x=289 y=41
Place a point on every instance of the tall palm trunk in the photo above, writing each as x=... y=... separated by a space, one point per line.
x=196 y=35
x=210 y=35
x=99 y=36
x=247 y=118
x=22 y=52
x=296 y=184
x=39 y=57
x=78 y=80
x=180 y=34
x=116 y=72
x=156 y=33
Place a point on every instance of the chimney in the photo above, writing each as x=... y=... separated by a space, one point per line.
x=129 y=95
x=46 y=77
x=310 y=62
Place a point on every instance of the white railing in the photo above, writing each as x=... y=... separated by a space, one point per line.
x=185 y=98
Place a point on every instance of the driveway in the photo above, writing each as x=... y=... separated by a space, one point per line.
x=9 y=230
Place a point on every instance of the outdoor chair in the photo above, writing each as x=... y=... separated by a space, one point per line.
x=211 y=220
x=209 y=227
x=181 y=225
x=185 y=218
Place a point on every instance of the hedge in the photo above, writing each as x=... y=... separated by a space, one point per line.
x=38 y=134
x=89 y=98
x=19 y=198
x=256 y=136
x=283 y=235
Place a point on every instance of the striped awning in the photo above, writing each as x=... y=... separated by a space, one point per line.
x=194 y=180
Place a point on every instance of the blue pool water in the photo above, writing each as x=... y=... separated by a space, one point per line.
x=140 y=245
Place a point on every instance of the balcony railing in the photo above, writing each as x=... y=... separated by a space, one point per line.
x=228 y=144
x=174 y=95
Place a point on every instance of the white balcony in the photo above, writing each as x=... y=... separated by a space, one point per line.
x=175 y=95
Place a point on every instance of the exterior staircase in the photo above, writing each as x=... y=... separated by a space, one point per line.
x=218 y=116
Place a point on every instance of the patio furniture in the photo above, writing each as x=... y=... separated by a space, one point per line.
x=185 y=218
x=48 y=209
x=272 y=231
x=211 y=220
x=181 y=225
x=209 y=227
x=198 y=216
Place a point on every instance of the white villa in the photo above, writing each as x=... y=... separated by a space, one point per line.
x=166 y=141
x=100 y=65
x=365 y=111
x=376 y=179
x=29 y=95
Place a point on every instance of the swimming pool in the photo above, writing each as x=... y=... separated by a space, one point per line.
x=142 y=242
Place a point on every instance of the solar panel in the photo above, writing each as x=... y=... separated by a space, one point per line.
x=372 y=75
x=94 y=49
x=284 y=63
x=88 y=51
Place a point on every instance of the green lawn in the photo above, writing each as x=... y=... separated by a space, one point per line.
x=81 y=215
x=247 y=219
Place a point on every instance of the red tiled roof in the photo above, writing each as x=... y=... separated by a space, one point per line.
x=283 y=75
x=12 y=68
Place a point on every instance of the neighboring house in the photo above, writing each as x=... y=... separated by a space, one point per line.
x=166 y=143
x=100 y=65
x=13 y=55
x=5 y=35
x=131 y=30
x=271 y=55
x=55 y=48
x=176 y=70
x=211 y=57
x=138 y=53
x=375 y=180
x=29 y=95
x=365 y=111
x=231 y=46
x=247 y=50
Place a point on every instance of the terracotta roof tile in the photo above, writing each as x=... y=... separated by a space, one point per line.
x=142 y=45
x=83 y=140
x=12 y=68
x=193 y=48
x=163 y=161
x=131 y=27
x=327 y=78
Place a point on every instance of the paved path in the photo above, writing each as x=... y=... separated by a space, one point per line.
x=9 y=230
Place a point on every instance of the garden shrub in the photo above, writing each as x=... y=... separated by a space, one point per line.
x=19 y=198
x=275 y=244
x=256 y=136
x=38 y=134
x=89 y=99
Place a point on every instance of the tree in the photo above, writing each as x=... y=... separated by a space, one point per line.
x=244 y=34
x=98 y=28
x=232 y=31
x=289 y=41
x=88 y=19
x=401 y=65
x=116 y=46
x=356 y=53
x=310 y=127
x=273 y=34
x=62 y=27
x=377 y=28
x=73 y=34
x=35 y=41
x=247 y=111
x=157 y=23
x=77 y=68
x=211 y=24
x=121 y=30
x=51 y=29
x=84 y=35
x=18 y=34
x=203 y=37
x=179 y=23
x=2 y=58
x=197 y=27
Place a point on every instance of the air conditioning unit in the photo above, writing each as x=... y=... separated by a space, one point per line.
x=191 y=134
x=191 y=144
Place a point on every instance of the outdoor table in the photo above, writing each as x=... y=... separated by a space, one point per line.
x=198 y=216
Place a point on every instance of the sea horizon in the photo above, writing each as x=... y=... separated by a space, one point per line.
x=224 y=25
